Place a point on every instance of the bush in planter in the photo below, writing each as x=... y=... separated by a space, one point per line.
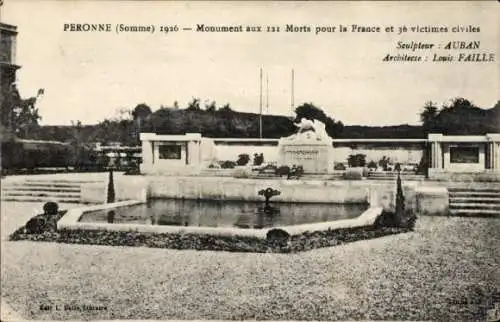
x=284 y=170
x=228 y=164
x=50 y=208
x=258 y=159
x=296 y=172
x=372 y=165
x=356 y=160
x=243 y=159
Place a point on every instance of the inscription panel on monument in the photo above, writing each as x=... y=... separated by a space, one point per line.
x=310 y=158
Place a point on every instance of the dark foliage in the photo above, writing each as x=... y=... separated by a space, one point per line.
x=372 y=165
x=356 y=160
x=278 y=241
x=258 y=159
x=462 y=117
x=243 y=159
x=51 y=208
x=283 y=170
x=227 y=164
x=35 y=225
x=295 y=172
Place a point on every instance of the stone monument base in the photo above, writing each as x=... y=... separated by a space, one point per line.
x=308 y=151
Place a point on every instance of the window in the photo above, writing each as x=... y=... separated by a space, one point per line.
x=464 y=154
x=170 y=152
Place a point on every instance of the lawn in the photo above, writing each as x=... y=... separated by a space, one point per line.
x=445 y=270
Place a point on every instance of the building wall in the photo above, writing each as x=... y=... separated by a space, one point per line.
x=405 y=154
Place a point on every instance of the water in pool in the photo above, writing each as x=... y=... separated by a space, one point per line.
x=211 y=213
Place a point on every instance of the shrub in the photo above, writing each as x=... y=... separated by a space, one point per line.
x=284 y=170
x=356 y=160
x=372 y=165
x=296 y=171
x=384 y=162
x=339 y=166
x=258 y=159
x=228 y=164
x=51 y=208
x=35 y=225
x=243 y=159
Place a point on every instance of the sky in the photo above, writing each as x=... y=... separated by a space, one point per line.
x=89 y=76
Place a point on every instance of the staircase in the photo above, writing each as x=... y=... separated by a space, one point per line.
x=391 y=176
x=42 y=190
x=474 y=201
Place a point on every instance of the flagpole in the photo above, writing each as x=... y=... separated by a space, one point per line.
x=292 y=105
x=260 y=112
x=267 y=93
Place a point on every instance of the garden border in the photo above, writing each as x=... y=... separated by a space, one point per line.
x=70 y=222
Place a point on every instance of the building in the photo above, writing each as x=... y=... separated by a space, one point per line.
x=8 y=67
x=450 y=157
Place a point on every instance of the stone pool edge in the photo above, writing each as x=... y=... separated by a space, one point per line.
x=70 y=222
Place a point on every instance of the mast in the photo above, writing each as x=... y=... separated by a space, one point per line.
x=292 y=105
x=260 y=107
x=267 y=93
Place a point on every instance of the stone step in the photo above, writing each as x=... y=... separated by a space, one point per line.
x=475 y=199
x=476 y=189
x=62 y=181
x=39 y=199
x=40 y=193
x=394 y=178
x=41 y=185
x=464 y=205
x=41 y=188
x=470 y=193
x=476 y=212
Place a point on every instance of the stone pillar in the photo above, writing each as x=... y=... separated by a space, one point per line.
x=436 y=151
x=494 y=151
x=147 y=152
x=193 y=149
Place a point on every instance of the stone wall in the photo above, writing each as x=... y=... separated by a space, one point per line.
x=421 y=198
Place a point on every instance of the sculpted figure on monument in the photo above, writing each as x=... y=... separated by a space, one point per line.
x=305 y=126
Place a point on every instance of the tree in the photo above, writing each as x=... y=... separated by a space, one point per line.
x=428 y=116
x=140 y=113
x=210 y=107
x=226 y=108
x=19 y=116
x=194 y=105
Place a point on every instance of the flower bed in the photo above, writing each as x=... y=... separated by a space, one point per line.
x=303 y=242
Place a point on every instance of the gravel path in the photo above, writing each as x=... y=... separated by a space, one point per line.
x=446 y=270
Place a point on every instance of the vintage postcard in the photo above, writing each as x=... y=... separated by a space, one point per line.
x=250 y=160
